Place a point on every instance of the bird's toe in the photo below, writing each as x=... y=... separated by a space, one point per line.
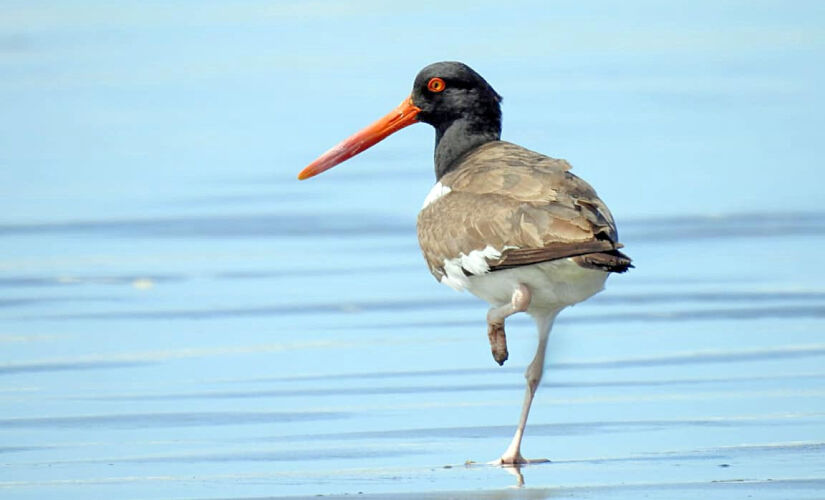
x=498 y=342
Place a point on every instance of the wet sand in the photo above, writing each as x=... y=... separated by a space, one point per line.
x=181 y=319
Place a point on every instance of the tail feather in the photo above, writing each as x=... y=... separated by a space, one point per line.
x=612 y=261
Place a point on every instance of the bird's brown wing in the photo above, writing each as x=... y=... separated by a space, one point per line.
x=526 y=206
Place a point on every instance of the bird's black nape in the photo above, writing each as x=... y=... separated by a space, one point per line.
x=463 y=108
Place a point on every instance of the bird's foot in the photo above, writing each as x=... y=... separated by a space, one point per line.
x=498 y=342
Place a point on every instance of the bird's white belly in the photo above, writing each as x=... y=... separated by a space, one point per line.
x=554 y=284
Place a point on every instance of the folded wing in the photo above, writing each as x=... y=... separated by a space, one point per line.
x=515 y=207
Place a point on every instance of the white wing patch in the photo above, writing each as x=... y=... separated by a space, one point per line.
x=435 y=193
x=475 y=263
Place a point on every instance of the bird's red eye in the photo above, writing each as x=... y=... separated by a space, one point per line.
x=436 y=85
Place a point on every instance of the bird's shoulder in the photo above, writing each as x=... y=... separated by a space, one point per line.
x=505 y=169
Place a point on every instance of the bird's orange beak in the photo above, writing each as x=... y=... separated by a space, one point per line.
x=404 y=115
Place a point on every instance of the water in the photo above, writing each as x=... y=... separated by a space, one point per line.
x=180 y=318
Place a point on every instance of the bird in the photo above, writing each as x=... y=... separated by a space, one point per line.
x=512 y=226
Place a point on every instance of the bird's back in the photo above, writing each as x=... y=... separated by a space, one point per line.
x=504 y=206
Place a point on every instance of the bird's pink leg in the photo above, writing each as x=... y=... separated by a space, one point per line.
x=519 y=302
x=512 y=455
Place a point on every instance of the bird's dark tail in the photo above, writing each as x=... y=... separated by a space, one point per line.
x=612 y=261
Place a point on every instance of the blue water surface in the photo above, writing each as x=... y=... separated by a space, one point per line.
x=181 y=318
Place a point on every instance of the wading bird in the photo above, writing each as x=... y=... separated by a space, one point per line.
x=512 y=226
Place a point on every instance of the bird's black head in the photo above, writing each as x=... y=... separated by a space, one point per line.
x=461 y=105
x=446 y=91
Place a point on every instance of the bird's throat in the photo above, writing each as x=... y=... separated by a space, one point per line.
x=458 y=138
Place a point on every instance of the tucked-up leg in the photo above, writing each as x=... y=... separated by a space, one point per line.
x=535 y=370
x=519 y=302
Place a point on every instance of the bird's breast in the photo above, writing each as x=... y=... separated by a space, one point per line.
x=437 y=191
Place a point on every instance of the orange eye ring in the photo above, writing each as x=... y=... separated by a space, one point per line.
x=436 y=85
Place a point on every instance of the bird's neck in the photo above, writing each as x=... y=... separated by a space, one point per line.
x=456 y=138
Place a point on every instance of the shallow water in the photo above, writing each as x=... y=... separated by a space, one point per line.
x=180 y=318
